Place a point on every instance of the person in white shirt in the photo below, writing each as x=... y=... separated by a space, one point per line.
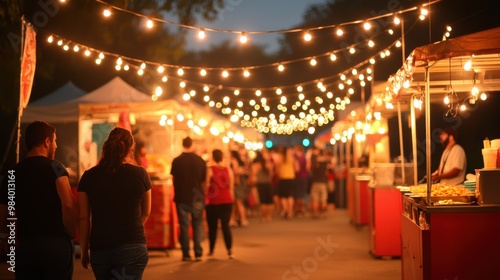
x=453 y=164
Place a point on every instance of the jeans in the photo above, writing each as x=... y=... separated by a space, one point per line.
x=45 y=257
x=183 y=212
x=124 y=262
x=215 y=213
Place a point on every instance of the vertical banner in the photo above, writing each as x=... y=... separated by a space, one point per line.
x=28 y=64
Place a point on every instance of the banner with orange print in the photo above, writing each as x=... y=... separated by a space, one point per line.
x=28 y=63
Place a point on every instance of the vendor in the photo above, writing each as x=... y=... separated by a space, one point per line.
x=453 y=162
x=140 y=154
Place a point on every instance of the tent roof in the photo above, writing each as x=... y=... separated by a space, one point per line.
x=116 y=91
x=64 y=93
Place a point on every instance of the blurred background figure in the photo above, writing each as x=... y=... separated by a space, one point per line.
x=262 y=171
x=287 y=166
x=140 y=154
x=319 y=189
x=301 y=178
x=240 y=189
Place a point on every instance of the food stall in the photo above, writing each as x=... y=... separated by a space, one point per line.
x=449 y=232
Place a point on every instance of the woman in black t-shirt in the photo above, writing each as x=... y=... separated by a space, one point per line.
x=115 y=196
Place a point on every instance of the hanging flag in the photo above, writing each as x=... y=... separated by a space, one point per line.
x=28 y=63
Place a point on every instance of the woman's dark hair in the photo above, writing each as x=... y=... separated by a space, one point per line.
x=259 y=158
x=37 y=132
x=116 y=148
x=217 y=155
x=236 y=155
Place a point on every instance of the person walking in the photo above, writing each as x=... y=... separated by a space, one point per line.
x=287 y=166
x=262 y=170
x=45 y=210
x=220 y=197
x=189 y=173
x=240 y=189
x=319 y=187
x=114 y=201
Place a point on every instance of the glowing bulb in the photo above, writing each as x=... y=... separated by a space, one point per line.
x=397 y=20
x=371 y=44
x=119 y=61
x=258 y=93
x=186 y=96
x=474 y=91
x=354 y=72
x=164 y=79
x=398 y=44
x=372 y=60
x=106 y=12
x=333 y=57
x=246 y=73
x=50 y=39
x=352 y=50
x=279 y=91
x=468 y=65
x=87 y=53
x=225 y=74
x=406 y=84
x=201 y=34
x=203 y=72
x=158 y=91
x=463 y=107
x=236 y=92
x=307 y=37
x=149 y=24
x=446 y=100
x=448 y=28
x=180 y=72
x=483 y=96
x=76 y=48
x=140 y=72
x=160 y=69
x=313 y=62
x=342 y=77
x=281 y=67
x=243 y=38
x=101 y=56
x=367 y=26
x=59 y=43
x=339 y=32
x=182 y=84
x=206 y=89
x=299 y=89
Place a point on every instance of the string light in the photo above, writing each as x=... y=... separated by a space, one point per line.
x=106 y=12
x=149 y=24
x=243 y=38
x=201 y=34
x=307 y=37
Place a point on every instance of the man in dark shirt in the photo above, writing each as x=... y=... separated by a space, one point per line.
x=36 y=198
x=189 y=172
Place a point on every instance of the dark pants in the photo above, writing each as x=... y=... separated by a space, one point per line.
x=215 y=213
x=124 y=262
x=196 y=213
x=45 y=257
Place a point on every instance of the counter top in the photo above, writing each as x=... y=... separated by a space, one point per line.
x=453 y=208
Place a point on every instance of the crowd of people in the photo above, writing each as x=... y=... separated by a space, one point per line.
x=114 y=201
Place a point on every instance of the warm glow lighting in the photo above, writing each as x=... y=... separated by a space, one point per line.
x=483 y=96
x=367 y=26
x=201 y=34
x=143 y=65
x=119 y=61
x=258 y=93
x=182 y=84
x=65 y=47
x=299 y=89
x=236 y=92
x=463 y=107
x=225 y=74
x=279 y=91
x=87 y=53
x=352 y=50
x=246 y=73
x=371 y=44
x=446 y=100
x=158 y=91
x=180 y=72
x=281 y=67
x=468 y=65
x=206 y=88
x=149 y=24
x=160 y=69
x=333 y=57
x=140 y=72
x=101 y=56
x=339 y=32
x=59 y=43
x=203 y=72
x=313 y=62
x=186 y=96
x=474 y=91
x=397 y=20
x=76 y=48
x=106 y=12
x=307 y=37
x=243 y=38
x=164 y=79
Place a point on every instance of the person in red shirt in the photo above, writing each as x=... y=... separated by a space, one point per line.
x=220 y=197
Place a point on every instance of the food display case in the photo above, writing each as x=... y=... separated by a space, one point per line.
x=453 y=241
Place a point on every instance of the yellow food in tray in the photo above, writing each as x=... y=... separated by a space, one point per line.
x=441 y=190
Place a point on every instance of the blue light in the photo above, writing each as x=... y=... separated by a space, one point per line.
x=269 y=144
x=306 y=142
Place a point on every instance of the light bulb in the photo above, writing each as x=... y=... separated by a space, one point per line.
x=149 y=24
x=397 y=20
x=50 y=39
x=463 y=107
x=160 y=69
x=246 y=73
x=333 y=57
x=201 y=34
x=180 y=72
x=76 y=48
x=367 y=26
x=281 y=67
x=446 y=100
x=158 y=91
x=483 y=96
x=225 y=74
x=106 y=12
x=352 y=50
x=339 y=32
x=371 y=44
x=307 y=37
x=299 y=88
x=313 y=62
x=243 y=38
x=203 y=72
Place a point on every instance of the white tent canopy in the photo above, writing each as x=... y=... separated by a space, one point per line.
x=66 y=92
x=115 y=91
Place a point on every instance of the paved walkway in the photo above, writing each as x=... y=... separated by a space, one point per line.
x=299 y=248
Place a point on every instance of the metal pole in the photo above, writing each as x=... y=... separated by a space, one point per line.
x=428 y=134
x=401 y=146
x=414 y=142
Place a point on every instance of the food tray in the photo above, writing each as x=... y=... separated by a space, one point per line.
x=436 y=200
